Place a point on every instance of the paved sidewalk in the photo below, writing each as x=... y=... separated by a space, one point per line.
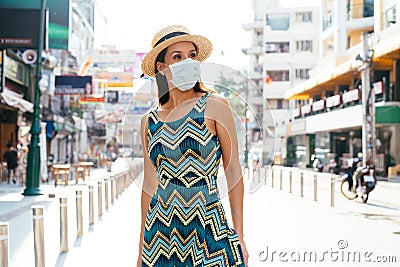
x=275 y=221
x=15 y=209
x=279 y=228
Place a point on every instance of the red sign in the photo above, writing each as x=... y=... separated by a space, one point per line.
x=88 y=99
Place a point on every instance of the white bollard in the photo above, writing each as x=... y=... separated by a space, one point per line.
x=106 y=192
x=100 y=198
x=79 y=217
x=302 y=184
x=63 y=225
x=332 y=191
x=4 y=250
x=38 y=235
x=315 y=187
x=91 y=205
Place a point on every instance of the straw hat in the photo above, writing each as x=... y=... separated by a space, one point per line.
x=171 y=35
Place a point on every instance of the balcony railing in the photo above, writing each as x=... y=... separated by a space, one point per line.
x=327 y=21
x=389 y=17
x=346 y=99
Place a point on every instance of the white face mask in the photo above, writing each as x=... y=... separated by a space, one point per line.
x=185 y=74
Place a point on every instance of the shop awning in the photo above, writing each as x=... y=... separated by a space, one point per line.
x=386 y=46
x=15 y=100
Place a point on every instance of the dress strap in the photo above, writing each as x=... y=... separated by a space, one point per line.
x=153 y=115
x=202 y=102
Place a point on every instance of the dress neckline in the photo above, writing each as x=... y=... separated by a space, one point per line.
x=186 y=115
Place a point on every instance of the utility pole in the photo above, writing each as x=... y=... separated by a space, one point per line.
x=368 y=105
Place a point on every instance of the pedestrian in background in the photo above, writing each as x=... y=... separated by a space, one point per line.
x=183 y=220
x=11 y=157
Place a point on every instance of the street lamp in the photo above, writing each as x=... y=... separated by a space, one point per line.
x=33 y=168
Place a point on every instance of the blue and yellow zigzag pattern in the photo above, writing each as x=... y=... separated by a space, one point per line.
x=186 y=224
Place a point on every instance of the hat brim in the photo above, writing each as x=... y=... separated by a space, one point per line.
x=203 y=45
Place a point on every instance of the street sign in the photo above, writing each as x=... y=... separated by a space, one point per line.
x=73 y=85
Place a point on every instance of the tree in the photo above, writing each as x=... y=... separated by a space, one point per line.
x=233 y=88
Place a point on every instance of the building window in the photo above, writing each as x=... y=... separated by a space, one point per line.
x=278 y=22
x=279 y=75
x=389 y=17
x=302 y=74
x=304 y=45
x=304 y=16
x=280 y=103
x=277 y=47
x=368 y=8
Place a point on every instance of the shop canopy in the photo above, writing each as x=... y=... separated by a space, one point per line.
x=386 y=46
x=15 y=100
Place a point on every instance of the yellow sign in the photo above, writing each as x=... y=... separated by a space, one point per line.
x=117 y=79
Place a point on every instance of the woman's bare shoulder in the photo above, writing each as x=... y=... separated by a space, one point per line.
x=218 y=100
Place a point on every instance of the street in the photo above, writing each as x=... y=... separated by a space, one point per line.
x=280 y=229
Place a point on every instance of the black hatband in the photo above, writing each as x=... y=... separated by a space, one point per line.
x=169 y=36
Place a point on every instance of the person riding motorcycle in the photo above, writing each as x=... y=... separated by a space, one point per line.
x=352 y=167
x=365 y=177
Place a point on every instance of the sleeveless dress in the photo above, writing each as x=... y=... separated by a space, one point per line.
x=186 y=224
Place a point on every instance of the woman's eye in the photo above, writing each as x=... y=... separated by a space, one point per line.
x=193 y=55
x=177 y=56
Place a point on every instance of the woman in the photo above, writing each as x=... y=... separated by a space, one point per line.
x=183 y=221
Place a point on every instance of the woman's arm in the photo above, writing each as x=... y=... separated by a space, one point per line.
x=226 y=131
x=149 y=183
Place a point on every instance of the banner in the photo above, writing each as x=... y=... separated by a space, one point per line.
x=22 y=30
x=58 y=31
x=73 y=85
x=114 y=58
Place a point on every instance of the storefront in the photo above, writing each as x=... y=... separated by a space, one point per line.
x=15 y=106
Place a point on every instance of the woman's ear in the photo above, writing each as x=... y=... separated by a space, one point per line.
x=160 y=66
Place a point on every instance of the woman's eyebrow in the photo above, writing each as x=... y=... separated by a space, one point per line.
x=194 y=50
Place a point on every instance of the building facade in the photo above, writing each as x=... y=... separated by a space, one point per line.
x=285 y=47
x=327 y=120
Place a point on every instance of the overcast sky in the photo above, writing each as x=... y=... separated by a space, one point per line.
x=132 y=26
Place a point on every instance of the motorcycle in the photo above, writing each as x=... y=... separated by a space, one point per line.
x=365 y=181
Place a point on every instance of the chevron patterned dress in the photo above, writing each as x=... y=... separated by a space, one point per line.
x=186 y=224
